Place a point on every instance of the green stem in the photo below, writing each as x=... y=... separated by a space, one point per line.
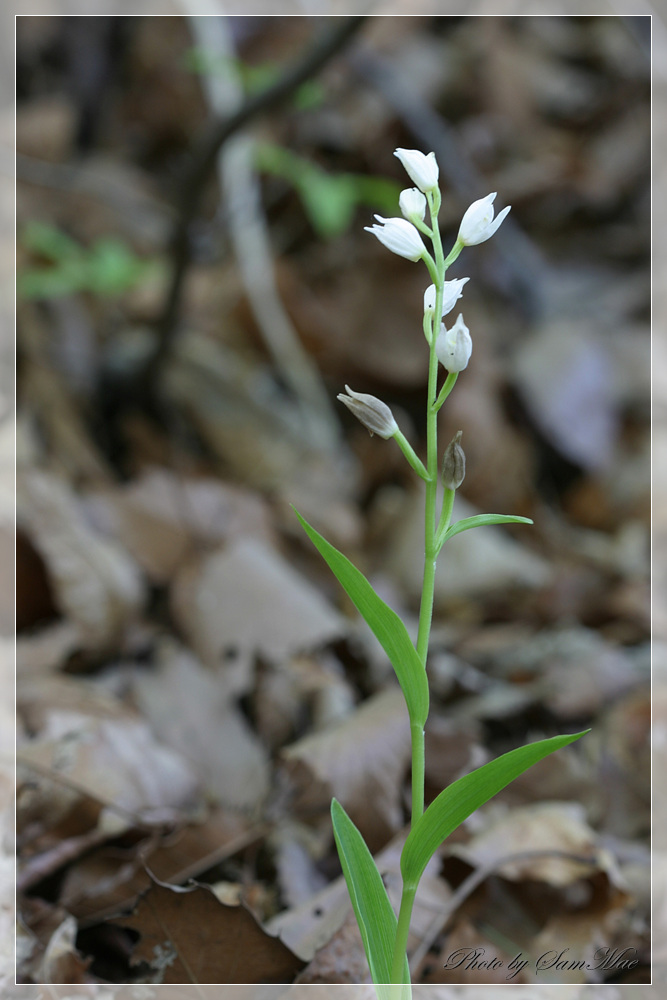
x=430 y=263
x=445 y=518
x=453 y=253
x=410 y=454
x=418 y=765
x=447 y=387
x=437 y=268
x=430 y=553
x=402 y=931
x=422 y=227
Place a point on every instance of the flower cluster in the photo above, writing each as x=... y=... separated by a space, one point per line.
x=452 y=347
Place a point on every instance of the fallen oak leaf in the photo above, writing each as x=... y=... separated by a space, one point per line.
x=191 y=937
x=360 y=760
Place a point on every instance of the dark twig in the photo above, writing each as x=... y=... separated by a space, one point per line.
x=203 y=160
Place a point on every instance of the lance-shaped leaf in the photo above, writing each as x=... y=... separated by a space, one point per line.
x=478 y=521
x=463 y=797
x=387 y=627
x=374 y=913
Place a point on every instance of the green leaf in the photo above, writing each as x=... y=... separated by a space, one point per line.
x=374 y=913
x=463 y=797
x=50 y=242
x=112 y=267
x=385 y=624
x=329 y=200
x=108 y=267
x=479 y=520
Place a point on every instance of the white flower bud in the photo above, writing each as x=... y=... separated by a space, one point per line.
x=399 y=236
x=452 y=292
x=371 y=411
x=478 y=224
x=422 y=170
x=454 y=347
x=412 y=203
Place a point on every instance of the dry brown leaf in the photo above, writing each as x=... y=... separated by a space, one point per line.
x=45 y=650
x=307 y=927
x=361 y=761
x=581 y=937
x=240 y=413
x=191 y=937
x=38 y=696
x=566 y=776
x=46 y=127
x=61 y=962
x=619 y=744
x=115 y=761
x=575 y=670
x=585 y=672
x=576 y=406
x=97 y=584
x=283 y=691
x=342 y=959
x=104 y=883
x=460 y=960
x=547 y=826
x=163 y=519
x=189 y=710
x=52 y=403
x=320 y=930
x=246 y=600
x=453 y=748
x=41 y=925
x=296 y=848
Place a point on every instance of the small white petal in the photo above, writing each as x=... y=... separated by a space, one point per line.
x=451 y=294
x=454 y=347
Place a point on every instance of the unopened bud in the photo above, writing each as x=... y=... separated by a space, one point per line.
x=412 y=204
x=371 y=411
x=454 y=463
x=422 y=170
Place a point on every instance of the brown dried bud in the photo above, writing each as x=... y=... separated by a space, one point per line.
x=454 y=463
x=371 y=411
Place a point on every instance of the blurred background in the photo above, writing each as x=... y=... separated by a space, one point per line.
x=193 y=687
